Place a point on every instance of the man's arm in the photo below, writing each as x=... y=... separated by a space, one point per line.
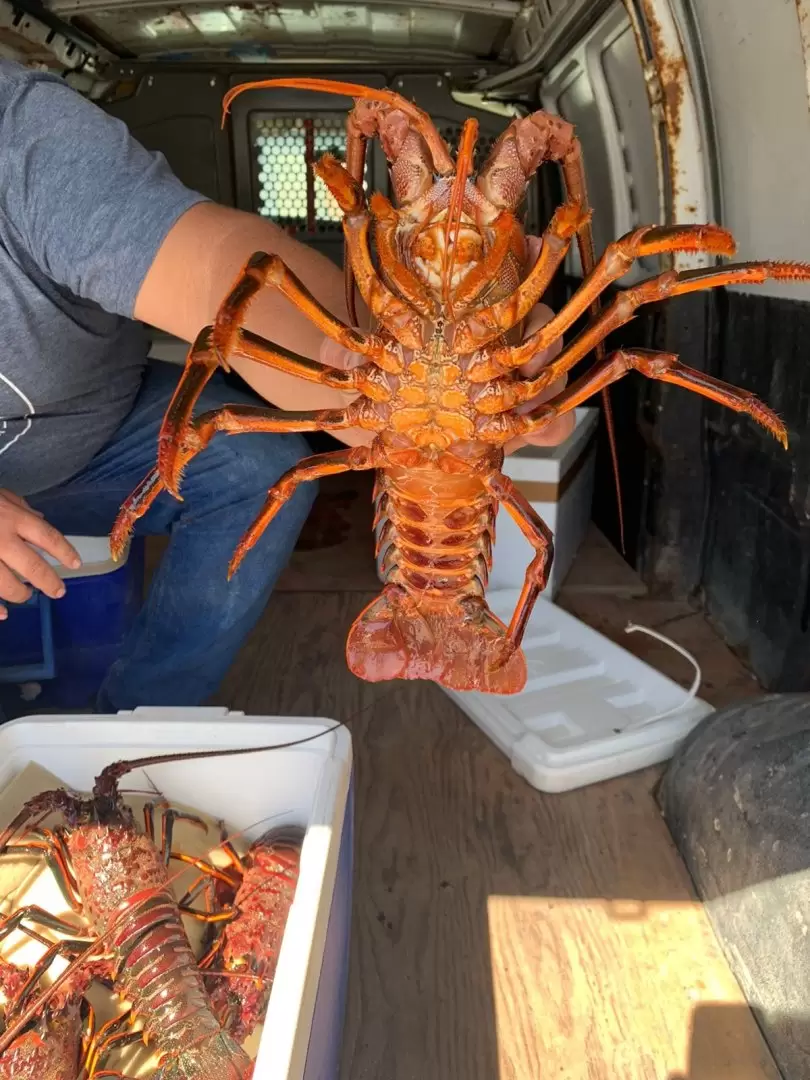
x=194 y=270
x=198 y=263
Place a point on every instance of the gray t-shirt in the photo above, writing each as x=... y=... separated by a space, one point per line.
x=84 y=209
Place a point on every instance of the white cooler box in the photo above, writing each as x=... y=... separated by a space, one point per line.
x=308 y=785
x=558 y=482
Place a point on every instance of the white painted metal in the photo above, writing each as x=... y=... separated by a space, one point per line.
x=756 y=59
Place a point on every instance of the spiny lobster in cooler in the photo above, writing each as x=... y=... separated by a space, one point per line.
x=62 y=1042
x=51 y=1047
x=118 y=880
x=241 y=960
x=441 y=386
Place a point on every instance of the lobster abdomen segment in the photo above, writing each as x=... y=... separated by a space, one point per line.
x=434 y=533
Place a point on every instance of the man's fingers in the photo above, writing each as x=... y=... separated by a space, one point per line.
x=334 y=355
x=534 y=245
x=18 y=500
x=11 y=588
x=553 y=435
x=48 y=539
x=30 y=566
x=538 y=317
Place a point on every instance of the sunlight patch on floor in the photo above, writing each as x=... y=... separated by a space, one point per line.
x=611 y=990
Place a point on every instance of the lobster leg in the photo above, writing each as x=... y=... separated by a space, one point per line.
x=540 y=537
x=40 y=917
x=523 y=147
x=262 y=270
x=662 y=366
x=502 y=394
x=235 y=420
x=103 y=1042
x=215 y=345
x=394 y=313
x=355 y=458
x=487 y=323
x=58 y=861
x=404 y=280
x=614 y=264
x=168 y=818
x=485 y=271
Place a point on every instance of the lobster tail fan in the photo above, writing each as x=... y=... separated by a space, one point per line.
x=460 y=644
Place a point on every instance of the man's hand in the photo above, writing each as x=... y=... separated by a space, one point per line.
x=557 y=431
x=21 y=526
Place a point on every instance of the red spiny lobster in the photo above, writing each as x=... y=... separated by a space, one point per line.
x=247 y=948
x=62 y=1043
x=119 y=881
x=50 y=1048
x=441 y=385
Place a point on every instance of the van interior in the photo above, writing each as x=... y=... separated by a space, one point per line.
x=606 y=932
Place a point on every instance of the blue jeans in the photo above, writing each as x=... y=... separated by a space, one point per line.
x=194 y=620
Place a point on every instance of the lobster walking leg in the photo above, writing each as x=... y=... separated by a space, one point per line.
x=665 y=367
x=168 y=818
x=314 y=468
x=40 y=917
x=484 y=272
x=216 y=344
x=616 y=261
x=540 y=537
x=262 y=270
x=235 y=420
x=505 y=393
x=395 y=314
x=403 y=279
x=486 y=323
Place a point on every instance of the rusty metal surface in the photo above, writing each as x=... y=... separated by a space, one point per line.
x=678 y=110
x=803 y=11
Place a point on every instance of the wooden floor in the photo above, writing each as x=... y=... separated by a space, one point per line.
x=501 y=934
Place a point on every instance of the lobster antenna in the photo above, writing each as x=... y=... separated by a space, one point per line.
x=106 y=785
x=455 y=207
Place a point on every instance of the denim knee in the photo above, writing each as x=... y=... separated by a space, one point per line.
x=254 y=463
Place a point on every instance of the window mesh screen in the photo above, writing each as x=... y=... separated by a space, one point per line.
x=287 y=190
x=288 y=193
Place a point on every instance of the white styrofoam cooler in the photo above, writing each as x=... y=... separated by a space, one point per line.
x=588 y=711
x=309 y=785
x=558 y=482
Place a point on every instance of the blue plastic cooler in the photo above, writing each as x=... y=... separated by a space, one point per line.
x=66 y=646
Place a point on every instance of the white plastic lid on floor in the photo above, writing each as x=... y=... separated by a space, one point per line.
x=590 y=710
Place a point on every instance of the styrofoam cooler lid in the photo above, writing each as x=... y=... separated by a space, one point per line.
x=589 y=709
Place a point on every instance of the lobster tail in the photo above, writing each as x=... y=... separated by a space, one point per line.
x=456 y=642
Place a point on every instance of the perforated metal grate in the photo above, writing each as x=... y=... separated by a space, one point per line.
x=288 y=192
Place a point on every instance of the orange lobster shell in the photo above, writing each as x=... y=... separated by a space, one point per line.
x=441 y=385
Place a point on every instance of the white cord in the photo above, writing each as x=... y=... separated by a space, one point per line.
x=692 y=693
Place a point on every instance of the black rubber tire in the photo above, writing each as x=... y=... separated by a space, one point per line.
x=736 y=798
